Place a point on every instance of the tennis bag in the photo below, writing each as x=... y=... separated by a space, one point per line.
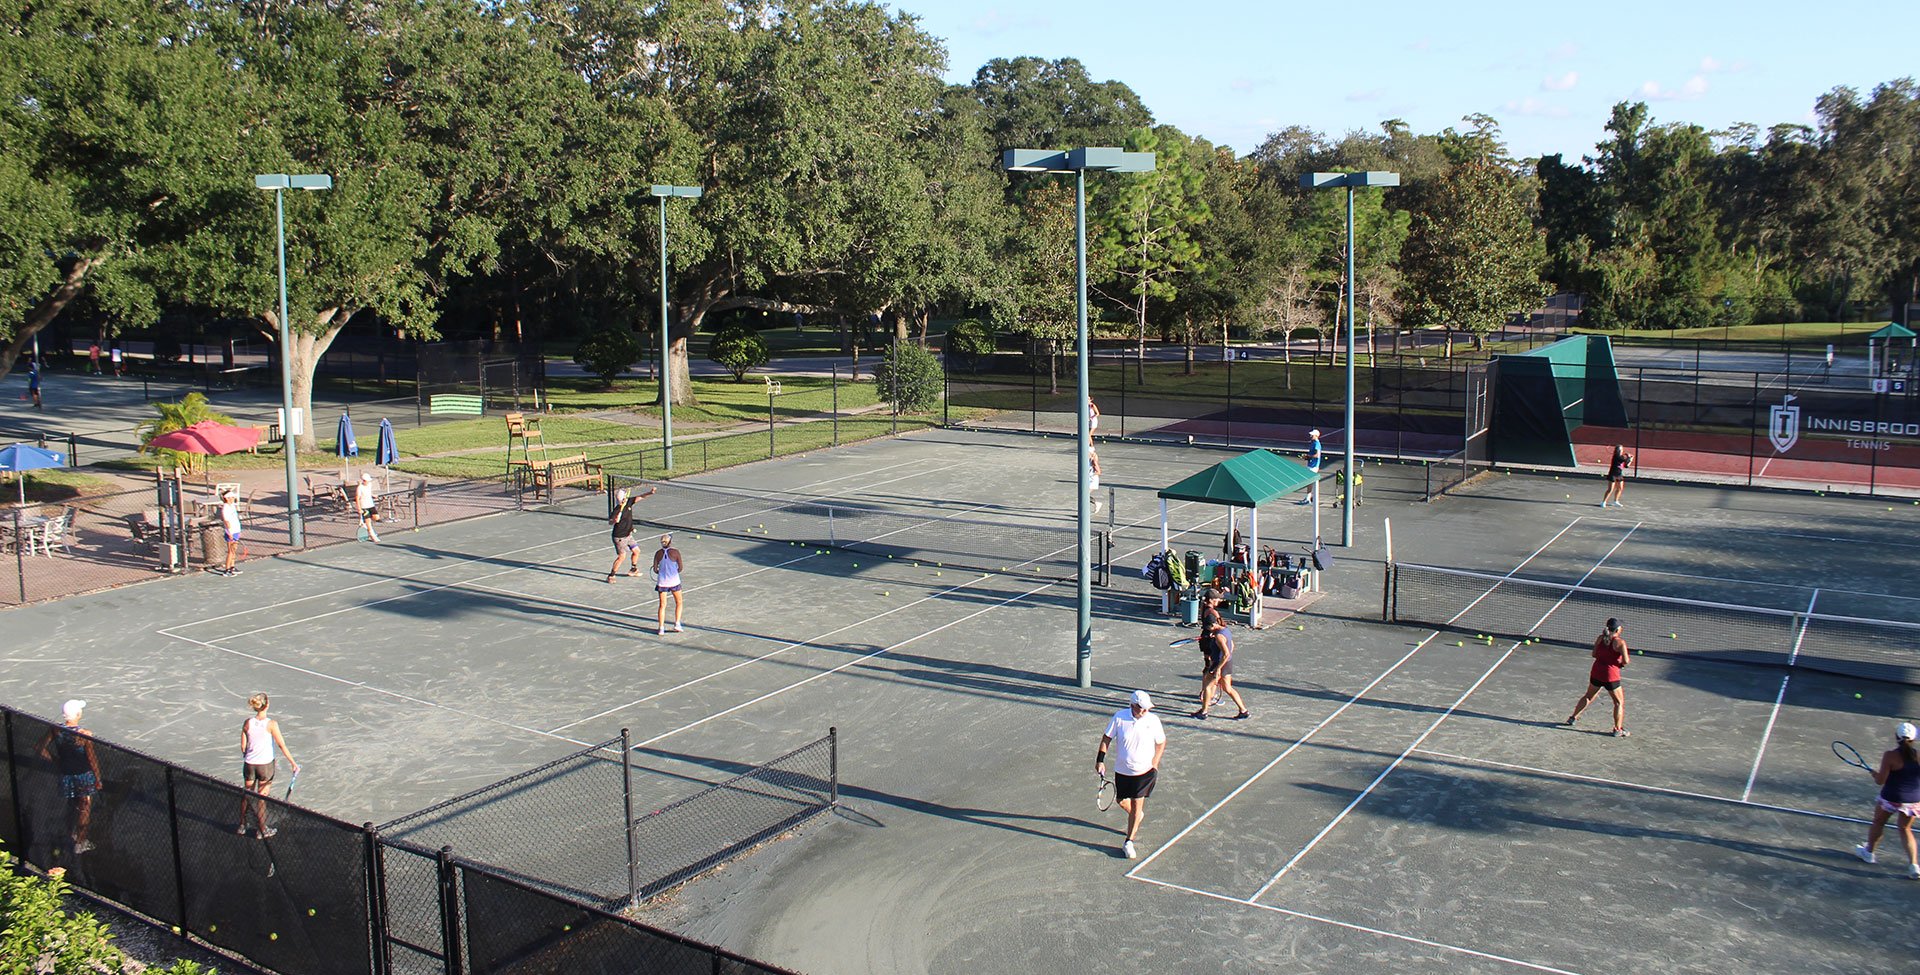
x=1176 y=572
x=1322 y=559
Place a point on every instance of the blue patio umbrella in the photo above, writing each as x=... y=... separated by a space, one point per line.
x=22 y=457
x=387 y=451
x=344 y=446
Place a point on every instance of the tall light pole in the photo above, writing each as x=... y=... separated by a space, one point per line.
x=1077 y=162
x=662 y=192
x=277 y=183
x=1314 y=181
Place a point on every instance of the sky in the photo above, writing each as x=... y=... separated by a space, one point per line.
x=1550 y=73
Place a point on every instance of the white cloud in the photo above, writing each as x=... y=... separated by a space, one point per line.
x=1563 y=82
x=1370 y=95
x=1693 y=88
x=1709 y=64
x=1535 y=108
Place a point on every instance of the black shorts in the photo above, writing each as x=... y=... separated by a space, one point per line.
x=1134 y=786
x=256 y=774
x=1612 y=685
x=1218 y=662
x=1616 y=477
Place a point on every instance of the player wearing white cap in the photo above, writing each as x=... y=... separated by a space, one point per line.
x=1138 y=742
x=1899 y=781
x=1313 y=461
x=71 y=749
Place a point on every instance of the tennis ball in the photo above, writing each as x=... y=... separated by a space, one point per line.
x=273 y=936
x=566 y=927
x=1569 y=496
x=1298 y=626
x=176 y=929
x=886 y=592
x=1457 y=643
x=1673 y=636
x=310 y=912
x=936 y=573
x=211 y=928
x=856 y=565
x=1856 y=697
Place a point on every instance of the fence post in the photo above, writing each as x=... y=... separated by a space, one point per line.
x=1639 y=417
x=1033 y=386
x=450 y=934
x=771 y=450
x=893 y=384
x=179 y=871
x=1123 y=396
x=1873 y=456
x=13 y=774
x=19 y=561
x=946 y=388
x=1753 y=424
x=836 y=404
x=377 y=931
x=833 y=767
x=626 y=795
x=1229 y=350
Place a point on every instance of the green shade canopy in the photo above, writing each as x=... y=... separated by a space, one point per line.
x=1249 y=480
x=1894 y=330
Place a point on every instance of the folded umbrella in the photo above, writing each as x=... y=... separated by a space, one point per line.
x=386 y=451
x=344 y=446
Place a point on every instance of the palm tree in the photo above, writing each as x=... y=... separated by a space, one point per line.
x=190 y=410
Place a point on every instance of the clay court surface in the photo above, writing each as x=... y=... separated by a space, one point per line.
x=1402 y=799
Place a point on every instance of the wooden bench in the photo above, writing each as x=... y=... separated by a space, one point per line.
x=456 y=404
x=549 y=475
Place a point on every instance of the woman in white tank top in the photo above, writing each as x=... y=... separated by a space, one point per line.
x=666 y=573
x=258 y=737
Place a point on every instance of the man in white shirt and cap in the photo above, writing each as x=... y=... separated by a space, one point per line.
x=1138 y=741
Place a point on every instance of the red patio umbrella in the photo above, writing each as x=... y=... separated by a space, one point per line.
x=208 y=437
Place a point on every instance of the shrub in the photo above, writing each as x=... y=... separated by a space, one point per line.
x=971 y=340
x=38 y=935
x=738 y=349
x=909 y=377
x=608 y=353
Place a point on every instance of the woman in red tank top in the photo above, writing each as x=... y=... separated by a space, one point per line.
x=1609 y=656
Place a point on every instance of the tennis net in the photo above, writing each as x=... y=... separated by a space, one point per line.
x=985 y=536
x=1513 y=607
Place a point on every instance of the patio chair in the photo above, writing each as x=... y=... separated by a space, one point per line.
x=56 y=532
x=145 y=528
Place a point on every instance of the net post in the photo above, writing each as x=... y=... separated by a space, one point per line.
x=378 y=934
x=833 y=767
x=173 y=835
x=13 y=771
x=449 y=890
x=626 y=793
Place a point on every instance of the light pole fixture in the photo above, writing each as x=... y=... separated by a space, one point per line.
x=276 y=183
x=662 y=191
x=1320 y=181
x=1078 y=162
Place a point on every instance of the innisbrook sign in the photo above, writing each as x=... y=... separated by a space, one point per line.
x=1786 y=420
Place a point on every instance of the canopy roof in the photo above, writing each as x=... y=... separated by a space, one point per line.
x=1894 y=330
x=1246 y=481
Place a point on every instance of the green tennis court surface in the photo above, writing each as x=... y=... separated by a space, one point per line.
x=1401 y=800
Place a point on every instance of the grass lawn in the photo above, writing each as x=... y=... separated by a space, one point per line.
x=720 y=401
x=52 y=486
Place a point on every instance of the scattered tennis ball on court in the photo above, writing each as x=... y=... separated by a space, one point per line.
x=1568 y=496
x=211 y=928
x=1298 y=626
x=1458 y=643
x=886 y=592
x=273 y=936
x=936 y=573
x=856 y=565
x=1856 y=697
x=1673 y=636
x=310 y=912
x=176 y=929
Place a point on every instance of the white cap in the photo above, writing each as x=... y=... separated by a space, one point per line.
x=1906 y=731
x=1315 y=434
x=1142 y=701
x=620 y=496
x=366 y=475
x=72 y=709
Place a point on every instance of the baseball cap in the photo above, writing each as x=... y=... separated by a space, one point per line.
x=620 y=496
x=1313 y=433
x=72 y=709
x=1906 y=731
x=1142 y=701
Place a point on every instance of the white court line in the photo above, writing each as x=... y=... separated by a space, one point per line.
x=1636 y=786
x=896 y=646
x=1382 y=777
x=456 y=564
x=1805 y=622
x=1168 y=845
x=1363 y=929
x=370 y=687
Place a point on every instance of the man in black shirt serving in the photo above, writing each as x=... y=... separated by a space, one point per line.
x=624 y=547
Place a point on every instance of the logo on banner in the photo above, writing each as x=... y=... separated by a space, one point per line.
x=1783 y=425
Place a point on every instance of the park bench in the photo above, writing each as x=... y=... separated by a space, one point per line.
x=456 y=404
x=550 y=475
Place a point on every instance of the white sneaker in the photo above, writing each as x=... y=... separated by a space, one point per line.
x=677 y=628
x=81 y=847
x=661 y=631
x=1865 y=855
x=1622 y=733
x=1127 y=849
x=1913 y=869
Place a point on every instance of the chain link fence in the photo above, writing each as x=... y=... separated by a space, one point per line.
x=317 y=896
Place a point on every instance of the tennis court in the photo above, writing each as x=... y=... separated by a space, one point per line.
x=1401 y=799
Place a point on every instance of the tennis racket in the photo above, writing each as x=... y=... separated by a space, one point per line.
x=1183 y=641
x=1103 y=796
x=1845 y=753
x=295 y=780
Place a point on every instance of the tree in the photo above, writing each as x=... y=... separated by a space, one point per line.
x=608 y=352
x=1033 y=103
x=191 y=409
x=1474 y=257
x=1866 y=219
x=738 y=349
x=1146 y=225
x=120 y=122
x=972 y=340
x=1045 y=296
x=910 y=377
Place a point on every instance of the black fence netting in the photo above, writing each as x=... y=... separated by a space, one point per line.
x=306 y=894
x=516 y=929
x=676 y=843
